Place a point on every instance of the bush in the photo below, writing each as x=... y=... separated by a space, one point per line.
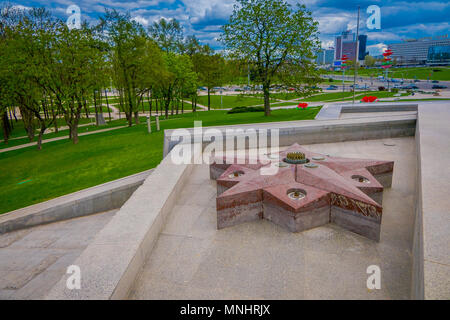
x=330 y=79
x=245 y=109
x=381 y=88
x=394 y=90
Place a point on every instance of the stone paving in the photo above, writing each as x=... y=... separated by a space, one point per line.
x=260 y=260
x=33 y=260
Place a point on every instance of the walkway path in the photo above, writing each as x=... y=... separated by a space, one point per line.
x=33 y=260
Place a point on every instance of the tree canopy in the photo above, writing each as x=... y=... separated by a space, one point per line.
x=277 y=40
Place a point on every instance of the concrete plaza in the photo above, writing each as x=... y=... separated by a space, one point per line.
x=260 y=260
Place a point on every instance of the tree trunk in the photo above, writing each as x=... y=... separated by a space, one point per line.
x=107 y=105
x=149 y=103
x=167 y=108
x=41 y=134
x=209 y=100
x=129 y=116
x=55 y=121
x=6 y=127
x=266 y=99
x=96 y=110
x=74 y=133
x=136 y=117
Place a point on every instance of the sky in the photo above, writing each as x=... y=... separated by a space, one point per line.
x=399 y=19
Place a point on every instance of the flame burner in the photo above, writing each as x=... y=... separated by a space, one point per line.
x=307 y=190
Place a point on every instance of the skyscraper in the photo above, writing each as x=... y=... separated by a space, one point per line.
x=325 y=56
x=346 y=44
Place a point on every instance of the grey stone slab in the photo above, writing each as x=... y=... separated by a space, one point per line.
x=431 y=237
x=437 y=281
x=33 y=260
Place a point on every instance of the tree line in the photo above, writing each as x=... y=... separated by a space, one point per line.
x=51 y=72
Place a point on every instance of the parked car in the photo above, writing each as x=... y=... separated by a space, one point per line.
x=439 y=86
x=416 y=80
x=332 y=87
x=435 y=81
x=410 y=87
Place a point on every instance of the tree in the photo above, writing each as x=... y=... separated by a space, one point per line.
x=168 y=34
x=134 y=59
x=210 y=68
x=369 y=61
x=23 y=57
x=178 y=77
x=271 y=35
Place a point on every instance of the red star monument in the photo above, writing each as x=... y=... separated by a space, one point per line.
x=301 y=196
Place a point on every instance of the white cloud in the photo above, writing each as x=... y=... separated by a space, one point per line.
x=141 y=20
x=377 y=49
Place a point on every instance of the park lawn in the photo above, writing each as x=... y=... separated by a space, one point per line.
x=30 y=176
x=348 y=95
x=422 y=73
x=92 y=110
x=65 y=132
x=231 y=101
x=186 y=106
x=19 y=129
x=328 y=96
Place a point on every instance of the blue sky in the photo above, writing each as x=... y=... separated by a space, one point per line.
x=399 y=19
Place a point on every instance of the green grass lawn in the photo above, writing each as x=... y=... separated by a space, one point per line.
x=62 y=133
x=92 y=110
x=29 y=176
x=440 y=73
x=348 y=95
x=229 y=101
x=187 y=106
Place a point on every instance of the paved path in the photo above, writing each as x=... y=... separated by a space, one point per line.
x=33 y=260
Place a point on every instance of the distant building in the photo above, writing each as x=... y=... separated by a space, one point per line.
x=325 y=56
x=417 y=51
x=346 y=44
x=438 y=55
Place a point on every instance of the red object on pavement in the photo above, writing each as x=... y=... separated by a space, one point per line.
x=369 y=99
x=302 y=105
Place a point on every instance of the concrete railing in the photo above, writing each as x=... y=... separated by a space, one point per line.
x=111 y=262
x=431 y=251
x=312 y=131
x=104 y=197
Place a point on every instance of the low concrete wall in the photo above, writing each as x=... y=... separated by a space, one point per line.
x=362 y=107
x=333 y=111
x=111 y=262
x=431 y=251
x=104 y=197
x=313 y=131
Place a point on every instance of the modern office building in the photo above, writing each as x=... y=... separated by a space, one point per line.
x=439 y=55
x=417 y=51
x=346 y=44
x=325 y=56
